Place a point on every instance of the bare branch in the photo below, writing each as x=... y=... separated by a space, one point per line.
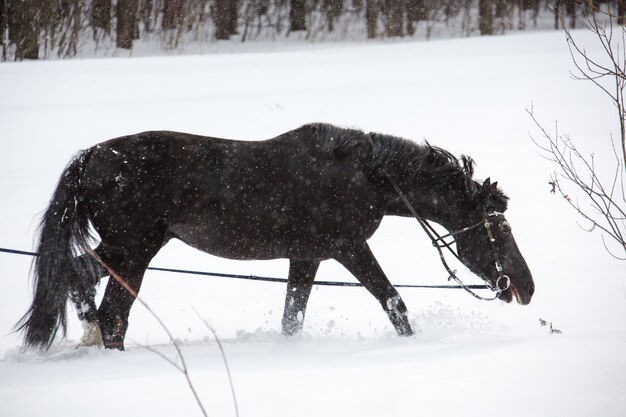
x=590 y=69
x=602 y=204
x=597 y=9
x=219 y=345
x=600 y=210
x=162 y=355
x=183 y=366
x=611 y=253
x=597 y=71
x=584 y=215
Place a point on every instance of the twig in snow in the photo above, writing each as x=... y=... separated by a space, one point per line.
x=545 y=323
x=219 y=345
x=183 y=365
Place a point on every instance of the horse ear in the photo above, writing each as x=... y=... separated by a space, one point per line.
x=487 y=182
x=494 y=186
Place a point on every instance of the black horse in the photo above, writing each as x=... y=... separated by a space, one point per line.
x=314 y=193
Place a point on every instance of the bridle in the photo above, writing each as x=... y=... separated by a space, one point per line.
x=503 y=282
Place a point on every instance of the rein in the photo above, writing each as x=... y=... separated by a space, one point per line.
x=267 y=279
x=440 y=243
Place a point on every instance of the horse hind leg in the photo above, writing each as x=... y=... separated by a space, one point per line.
x=83 y=297
x=129 y=262
x=299 y=284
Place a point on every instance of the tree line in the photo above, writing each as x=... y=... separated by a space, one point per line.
x=34 y=29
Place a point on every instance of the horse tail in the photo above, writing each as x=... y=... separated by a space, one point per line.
x=64 y=229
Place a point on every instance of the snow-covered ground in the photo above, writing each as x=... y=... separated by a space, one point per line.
x=467 y=358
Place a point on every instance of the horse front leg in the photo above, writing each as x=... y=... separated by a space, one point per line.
x=360 y=261
x=299 y=284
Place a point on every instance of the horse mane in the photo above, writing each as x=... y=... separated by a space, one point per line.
x=434 y=167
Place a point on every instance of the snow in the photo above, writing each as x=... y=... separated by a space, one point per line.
x=468 y=357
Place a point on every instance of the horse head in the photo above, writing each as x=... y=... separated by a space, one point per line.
x=489 y=249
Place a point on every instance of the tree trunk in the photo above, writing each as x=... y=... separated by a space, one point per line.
x=485 y=17
x=557 y=13
x=3 y=20
x=415 y=12
x=23 y=25
x=501 y=7
x=297 y=15
x=126 y=23
x=101 y=15
x=233 y=17
x=147 y=15
x=225 y=18
x=4 y=27
x=394 y=12
x=170 y=9
x=371 y=16
x=570 y=10
x=621 y=10
x=333 y=9
x=77 y=24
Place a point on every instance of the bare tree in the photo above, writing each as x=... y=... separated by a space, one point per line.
x=485 y=17
x=297 y=15
x=372 y=10
x=172 y=14
x=31 y=29
x=4 y=28
x=609 y=77
x=332 y=9
x=23 y=22
x=394 y=18
x=600 y=203
x=603 y=203
x=415 y=12
x=100 y=15
x=225 y=16
x=127 y=29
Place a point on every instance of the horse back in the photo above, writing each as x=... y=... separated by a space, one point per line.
x=237 y=199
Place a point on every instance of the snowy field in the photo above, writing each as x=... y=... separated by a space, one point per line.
x=468 y=357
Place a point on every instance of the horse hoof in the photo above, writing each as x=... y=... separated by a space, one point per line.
x=92 y=336
x=406 y=333
x=114 y=345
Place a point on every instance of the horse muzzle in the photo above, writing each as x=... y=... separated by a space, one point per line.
x=522 y=295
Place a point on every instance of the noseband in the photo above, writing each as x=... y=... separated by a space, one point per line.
x=503 y=282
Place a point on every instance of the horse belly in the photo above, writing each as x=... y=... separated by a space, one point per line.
x=231 y=242
x=258 y=236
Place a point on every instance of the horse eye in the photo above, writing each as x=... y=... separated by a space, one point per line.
x=505 y=228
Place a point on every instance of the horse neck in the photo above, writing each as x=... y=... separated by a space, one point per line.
x=447 y=206
x=433 y=180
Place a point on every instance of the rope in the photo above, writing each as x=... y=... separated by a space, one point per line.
x=18 y=252
x=271 y=279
